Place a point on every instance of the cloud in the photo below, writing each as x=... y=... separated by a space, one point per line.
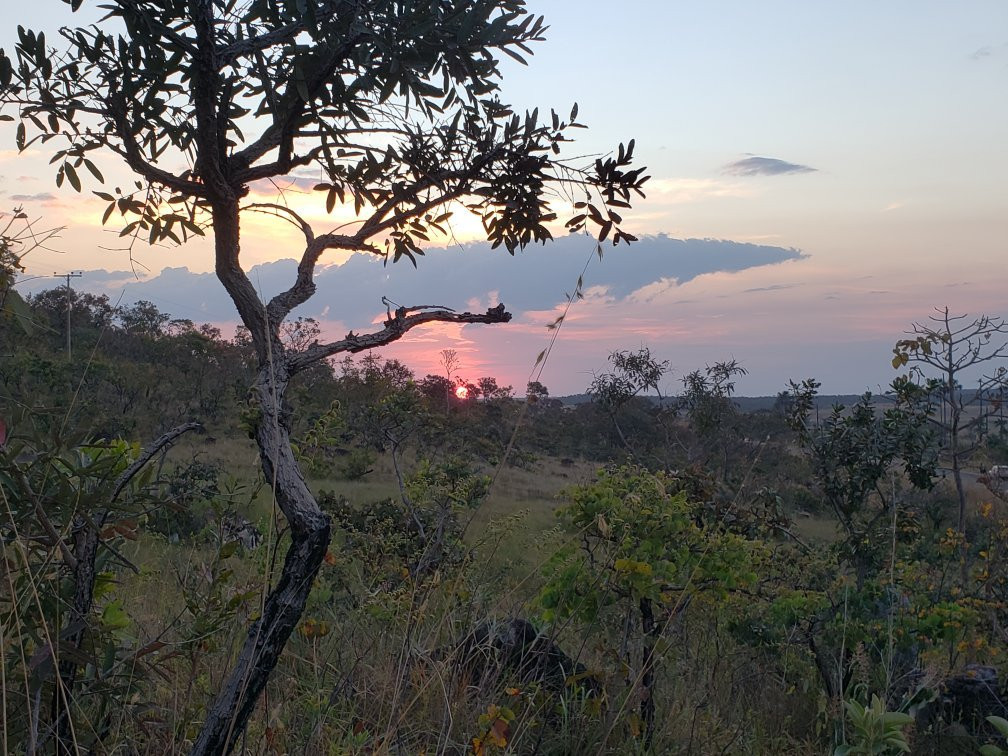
x=40 y=197
x=533 y=280
x=685 y=190
x=764 y=166
x=773 y=287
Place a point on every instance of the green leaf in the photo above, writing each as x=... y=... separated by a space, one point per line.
x=1000 y=724
x=114 y=617
x=13 y=303
x=228 y=549
x=897 y=718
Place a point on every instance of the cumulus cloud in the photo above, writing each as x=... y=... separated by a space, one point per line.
x=535 y=279
x=765 y=166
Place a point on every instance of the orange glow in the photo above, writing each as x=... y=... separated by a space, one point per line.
x=462 y=392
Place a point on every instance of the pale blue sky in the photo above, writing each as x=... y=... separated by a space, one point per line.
x=900 y=107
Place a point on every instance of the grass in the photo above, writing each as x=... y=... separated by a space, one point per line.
x=380 y=681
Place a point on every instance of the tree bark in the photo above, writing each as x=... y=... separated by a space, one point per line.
x=283 y=607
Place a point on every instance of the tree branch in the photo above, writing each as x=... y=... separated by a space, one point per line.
x=245 y=47
x=395 y=328
x=282 y=133
x=148 y=454
x=304 y=285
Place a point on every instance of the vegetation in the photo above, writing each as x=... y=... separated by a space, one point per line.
x=806 y=597
x=259 y=543
x=395 y=104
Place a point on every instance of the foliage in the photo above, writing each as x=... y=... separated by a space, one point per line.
x=642 y=558
x=855 y=450
x=1001 y=725
x=68 y=636
x=420 y=533
x=874 y=730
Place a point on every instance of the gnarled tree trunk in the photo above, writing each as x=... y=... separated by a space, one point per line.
x=282 y=608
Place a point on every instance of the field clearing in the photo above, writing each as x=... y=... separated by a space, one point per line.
x=513 y=532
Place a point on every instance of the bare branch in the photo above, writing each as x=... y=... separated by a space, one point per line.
x=148 y=454
x=278 y=167
x=246 y=47
x=395 y=328
x=304 y=286
x=131 y=153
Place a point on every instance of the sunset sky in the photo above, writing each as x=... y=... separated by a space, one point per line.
x=846 y=163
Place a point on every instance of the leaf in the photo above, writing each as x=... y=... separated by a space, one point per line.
x=1000 y=724
x=94 y=172
x=499 y=731
x=228 y=549
x=896 y=718
x=114 y=617
x=71 y=174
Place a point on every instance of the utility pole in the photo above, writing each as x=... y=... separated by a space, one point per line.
x=68 y=276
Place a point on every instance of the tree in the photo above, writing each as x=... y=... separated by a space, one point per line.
x=450 y=362
x=536 y=392
x=633 y=373
x=952 y=346
x=642 y=555
x=852 y=453
x=394 y=104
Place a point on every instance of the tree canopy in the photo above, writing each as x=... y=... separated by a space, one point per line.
x=393 y=107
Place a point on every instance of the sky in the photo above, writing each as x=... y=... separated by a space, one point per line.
x=824 y=175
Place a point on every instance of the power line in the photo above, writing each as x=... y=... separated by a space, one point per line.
x=70 y=302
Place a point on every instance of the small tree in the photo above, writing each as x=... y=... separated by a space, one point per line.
x=643 y=555
x=948 y=347
x=633 y=373
x=708 y=405
x=18 y=237
x=395 y=108
x=852 y=453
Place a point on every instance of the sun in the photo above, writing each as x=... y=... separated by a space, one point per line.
x=462 y=392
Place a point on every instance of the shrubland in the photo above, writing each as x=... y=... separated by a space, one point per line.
x=653 y=574
x=372 y=572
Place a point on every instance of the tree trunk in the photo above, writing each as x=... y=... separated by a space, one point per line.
x=283 y=607
x=647 y=709
x=85 y=552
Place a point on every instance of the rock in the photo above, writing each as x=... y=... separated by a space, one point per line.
x=516 y=646
x=964 y=702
